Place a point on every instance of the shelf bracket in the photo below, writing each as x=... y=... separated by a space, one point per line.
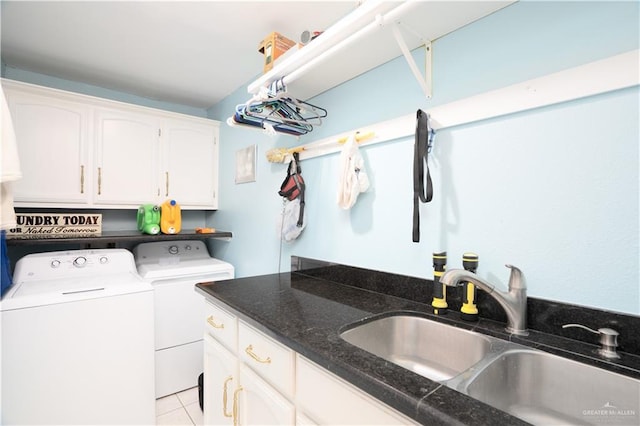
x=425 y=81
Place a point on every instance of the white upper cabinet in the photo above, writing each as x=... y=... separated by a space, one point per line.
x=53 y=146
x=78 y=151
x=127 y=158
x=188 y=149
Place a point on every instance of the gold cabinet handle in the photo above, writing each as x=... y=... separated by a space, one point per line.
x=213 y=324
x=99 y=180
x=235 y=405
x=166 y=175
x=224 y=397
x=253 y=355
x=82 y=179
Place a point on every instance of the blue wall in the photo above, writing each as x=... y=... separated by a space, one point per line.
x=553 y=191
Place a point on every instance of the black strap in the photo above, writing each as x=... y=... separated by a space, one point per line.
x=420 y=157
x=301 y=216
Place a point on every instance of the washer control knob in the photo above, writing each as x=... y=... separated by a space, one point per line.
x=104 y=259
x=79 y=262
x=173 y=249
x=55 y=263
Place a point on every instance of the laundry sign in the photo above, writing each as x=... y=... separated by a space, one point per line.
x=56 y=225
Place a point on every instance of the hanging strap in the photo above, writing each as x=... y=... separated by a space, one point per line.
x=421 y=150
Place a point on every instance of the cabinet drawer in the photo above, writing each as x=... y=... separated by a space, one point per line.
x=327 y=399
x=272 y=361
x=221 y=325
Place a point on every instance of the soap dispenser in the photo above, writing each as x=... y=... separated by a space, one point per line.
x=439 y=302
x=469 y=310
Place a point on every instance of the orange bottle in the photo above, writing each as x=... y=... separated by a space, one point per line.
x=170 y=217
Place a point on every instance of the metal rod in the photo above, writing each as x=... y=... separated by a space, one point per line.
x=379 y=21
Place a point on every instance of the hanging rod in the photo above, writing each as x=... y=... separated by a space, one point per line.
x=378 y=22
x=334 y=33
x=282 y=155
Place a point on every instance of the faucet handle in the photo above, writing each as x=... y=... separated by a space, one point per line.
x=516 y=278
x=608 y=339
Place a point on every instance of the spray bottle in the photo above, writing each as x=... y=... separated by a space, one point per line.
x=439 y=302
x=469 y=310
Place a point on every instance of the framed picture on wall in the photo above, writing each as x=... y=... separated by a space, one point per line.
x=246 y=164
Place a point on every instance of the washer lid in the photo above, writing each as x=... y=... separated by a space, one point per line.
x=49 y=292
x=172 y=267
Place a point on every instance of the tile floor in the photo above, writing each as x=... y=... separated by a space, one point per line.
x=180 y=409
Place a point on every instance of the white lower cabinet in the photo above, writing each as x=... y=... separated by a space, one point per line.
x=250 y=379
x=235 y=395
x=220 y=383
x=258 y=403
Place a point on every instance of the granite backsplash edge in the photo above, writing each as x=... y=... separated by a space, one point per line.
x=544 y=316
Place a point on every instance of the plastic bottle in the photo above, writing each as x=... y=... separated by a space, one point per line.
x=149 y=219
x=170 y=217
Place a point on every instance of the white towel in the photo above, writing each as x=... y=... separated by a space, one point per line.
x=353 y=177
x=10 y=166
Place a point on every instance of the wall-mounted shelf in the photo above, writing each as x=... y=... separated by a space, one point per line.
x=365 y=39
x=601 y=76
x=118 y=237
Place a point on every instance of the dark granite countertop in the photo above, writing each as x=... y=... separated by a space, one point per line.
x=307 y=314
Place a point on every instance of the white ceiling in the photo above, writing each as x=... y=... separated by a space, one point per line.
x=189 y=53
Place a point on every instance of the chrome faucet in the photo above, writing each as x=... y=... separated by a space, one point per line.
x=514 y=302
x=608 y=340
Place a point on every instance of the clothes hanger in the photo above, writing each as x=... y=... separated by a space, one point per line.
x=274 y=107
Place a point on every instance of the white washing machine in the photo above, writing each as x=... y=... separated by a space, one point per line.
x=77 y=341
x=174 y=268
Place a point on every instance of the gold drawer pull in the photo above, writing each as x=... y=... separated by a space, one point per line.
x=99 y=180
x=253 y=355
x=235 y=405
x=82 y=179
x=213 y=324
x=224 y=397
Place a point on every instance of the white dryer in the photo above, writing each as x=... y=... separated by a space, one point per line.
x=77 y=341
x=174 y=268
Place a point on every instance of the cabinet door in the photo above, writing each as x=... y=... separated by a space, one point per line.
x=327 y=399
x=127 y=158
x=190 y=162
x=220 y=382
x=260 y=404
x=52 y=139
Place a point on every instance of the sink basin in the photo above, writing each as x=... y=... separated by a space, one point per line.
x=544 y=389
x=434 y=350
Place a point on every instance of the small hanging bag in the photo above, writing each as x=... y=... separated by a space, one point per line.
x=293 y=186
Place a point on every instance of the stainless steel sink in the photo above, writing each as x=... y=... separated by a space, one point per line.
x=538 y=387
x=432 y=349
x=545 y=389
